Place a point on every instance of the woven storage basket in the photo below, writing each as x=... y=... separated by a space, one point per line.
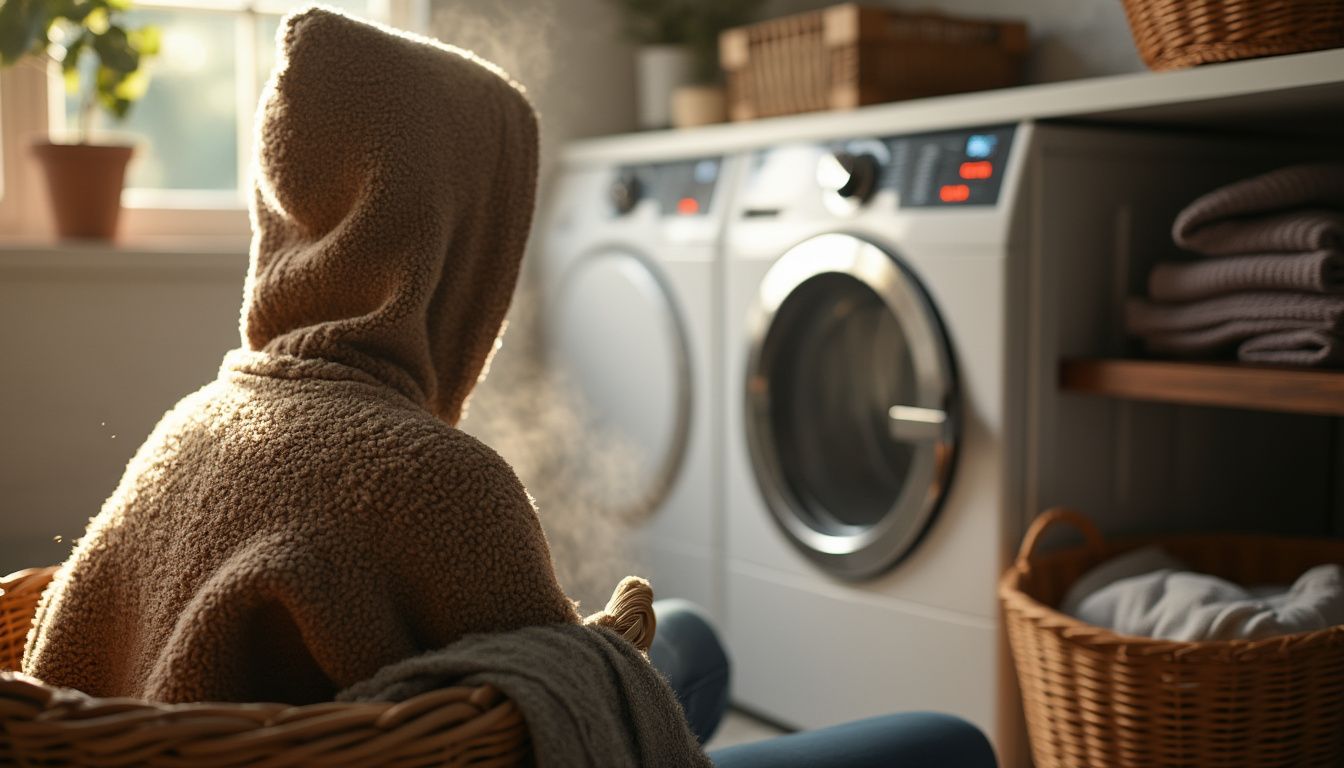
x=849 y=55
x=1098 y=699
x=459 y=726
x=1172 y=34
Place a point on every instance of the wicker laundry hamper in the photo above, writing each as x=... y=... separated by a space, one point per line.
x=1098 y=699
x=850 y=55
x=1173 y=34
x=458 y=726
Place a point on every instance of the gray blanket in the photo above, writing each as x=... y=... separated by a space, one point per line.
x=589 y=697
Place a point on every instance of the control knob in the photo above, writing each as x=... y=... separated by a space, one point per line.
x=625 y=192
x=850 y=176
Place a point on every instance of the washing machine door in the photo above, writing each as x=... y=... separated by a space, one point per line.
x=621 y=349
x=852 y=404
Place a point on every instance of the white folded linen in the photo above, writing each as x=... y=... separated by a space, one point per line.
x=1149 y=593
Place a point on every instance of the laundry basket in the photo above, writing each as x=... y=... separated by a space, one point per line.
x=1172 y=34
x=458 y=726
x=850 y=55
x=1098 y=699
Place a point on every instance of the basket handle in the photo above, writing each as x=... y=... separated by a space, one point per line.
x=1054 y=516
x=629 y=613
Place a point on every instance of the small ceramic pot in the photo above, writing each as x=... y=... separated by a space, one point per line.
x=84 y=184
x=661 y=69
x=694 y=105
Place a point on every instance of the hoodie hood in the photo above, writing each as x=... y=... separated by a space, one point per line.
x=394 y=181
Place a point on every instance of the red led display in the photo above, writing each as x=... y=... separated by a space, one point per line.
x=954 y=193
x=687 y=206
x=978 y=169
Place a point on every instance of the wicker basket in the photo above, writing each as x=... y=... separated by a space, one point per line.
x=1094 y=698
x=848 y=55
x=1173 y=34
x=459 y=726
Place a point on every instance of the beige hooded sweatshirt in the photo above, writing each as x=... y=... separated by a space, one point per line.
x=312 y=515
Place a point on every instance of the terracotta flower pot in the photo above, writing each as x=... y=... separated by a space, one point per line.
x=84 y=182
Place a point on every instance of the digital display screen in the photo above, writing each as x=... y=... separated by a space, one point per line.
x=950 y=169
x=684 y=188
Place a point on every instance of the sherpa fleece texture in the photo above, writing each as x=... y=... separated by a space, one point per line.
x=311 y=516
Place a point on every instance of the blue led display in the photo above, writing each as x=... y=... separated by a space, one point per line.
x=981 y=145
x=706 y=171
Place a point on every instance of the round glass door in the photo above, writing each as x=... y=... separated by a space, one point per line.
x=851 y=414
x=621 y=349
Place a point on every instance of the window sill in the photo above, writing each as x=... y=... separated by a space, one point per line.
x=213 y=254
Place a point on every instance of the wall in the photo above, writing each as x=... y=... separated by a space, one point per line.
x=1070 y=38
x=95 y=345
x=569 y=54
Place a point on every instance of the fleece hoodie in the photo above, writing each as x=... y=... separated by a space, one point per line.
x=312 y=515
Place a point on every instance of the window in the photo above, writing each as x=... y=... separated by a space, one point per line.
x=193 y=128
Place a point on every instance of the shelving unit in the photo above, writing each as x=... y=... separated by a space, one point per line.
x=1225 y=385
x=1298 y=95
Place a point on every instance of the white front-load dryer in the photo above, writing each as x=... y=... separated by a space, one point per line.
x=897 y=306
x=630 y=271
x=871 y=292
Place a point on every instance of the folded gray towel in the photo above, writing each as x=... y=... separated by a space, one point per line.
x=1317 y=272
x=1219 y=339
x=1308 y=347
x=1291 y=210
x=588 y=696
x=1144 y=318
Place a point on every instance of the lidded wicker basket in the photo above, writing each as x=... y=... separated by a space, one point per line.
x=1173 y=34
x=1103 y=700
x=456 y=726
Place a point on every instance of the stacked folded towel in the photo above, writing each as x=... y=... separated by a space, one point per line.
x=1272 y=283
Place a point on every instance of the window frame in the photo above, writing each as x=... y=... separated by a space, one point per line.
x=31 y=102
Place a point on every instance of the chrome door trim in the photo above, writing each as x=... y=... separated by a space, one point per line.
x=934 y=423
x=675 y=323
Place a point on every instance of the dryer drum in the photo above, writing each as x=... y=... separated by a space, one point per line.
x=852 y=419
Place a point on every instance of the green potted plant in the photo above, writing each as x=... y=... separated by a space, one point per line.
x=84 y=179
x=678 y=49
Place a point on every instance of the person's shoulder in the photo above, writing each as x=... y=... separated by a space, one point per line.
x=454 y=454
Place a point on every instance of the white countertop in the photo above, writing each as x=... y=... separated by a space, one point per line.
x=1301 y=94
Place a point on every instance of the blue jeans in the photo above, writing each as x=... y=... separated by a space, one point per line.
x=688 y=653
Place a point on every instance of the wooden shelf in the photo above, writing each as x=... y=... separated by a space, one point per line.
x=1224 y=385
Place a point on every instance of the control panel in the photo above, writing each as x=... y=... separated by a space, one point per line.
x=683 y=188
x=955 y=168
x=946 y=169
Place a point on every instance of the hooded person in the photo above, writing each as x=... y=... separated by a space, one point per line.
x=312 y=515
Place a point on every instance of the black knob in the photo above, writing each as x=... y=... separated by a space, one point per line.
x=625 y=192
x=851 y=176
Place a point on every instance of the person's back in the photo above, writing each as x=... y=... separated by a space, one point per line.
x=312 y=515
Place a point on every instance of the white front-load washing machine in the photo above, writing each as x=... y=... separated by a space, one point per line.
x=895 y=309
x=630 y=277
